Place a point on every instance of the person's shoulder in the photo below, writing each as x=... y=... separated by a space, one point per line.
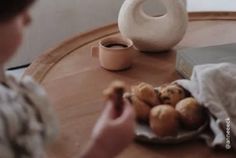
x=31 y=94
x=24 y=85
x=6 y=94
x=29 y=84
x=13 y=89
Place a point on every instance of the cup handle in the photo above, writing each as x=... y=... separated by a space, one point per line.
x=95 y=52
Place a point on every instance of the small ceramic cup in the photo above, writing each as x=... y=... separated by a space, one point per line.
x=114 y=53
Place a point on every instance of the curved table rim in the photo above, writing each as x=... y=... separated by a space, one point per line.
x=39 y=67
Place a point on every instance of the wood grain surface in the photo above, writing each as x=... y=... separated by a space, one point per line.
x=212 y=16
x=74 y=82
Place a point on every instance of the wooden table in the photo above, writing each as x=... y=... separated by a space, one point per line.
x=74 y=82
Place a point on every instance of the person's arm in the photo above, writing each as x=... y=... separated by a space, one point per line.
x=112 y=133
x=93 y=150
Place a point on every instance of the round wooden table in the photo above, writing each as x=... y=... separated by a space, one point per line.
x=75 y=81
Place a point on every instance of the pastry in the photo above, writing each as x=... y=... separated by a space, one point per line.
x=146 y=93
x=171 y=94
x=192 y=115
x=142 y=110
x=164 y=120
x=115 y=93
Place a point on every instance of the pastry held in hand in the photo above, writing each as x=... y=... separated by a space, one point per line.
x=115 y=94
x=171 y=94
x=146 y=93
x=192 y=115
x=164 y=120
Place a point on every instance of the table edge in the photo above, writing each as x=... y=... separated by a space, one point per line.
x=39 y=67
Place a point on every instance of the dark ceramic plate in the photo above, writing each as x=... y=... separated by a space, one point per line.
x=145 y=134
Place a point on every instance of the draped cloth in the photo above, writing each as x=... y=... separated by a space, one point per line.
x=214 y=86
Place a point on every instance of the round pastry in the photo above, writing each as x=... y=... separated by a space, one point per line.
x=142 y=110
x=171 y=94
x=192 y=115
x=161 y=87
x=164 y=120
x=146 y=93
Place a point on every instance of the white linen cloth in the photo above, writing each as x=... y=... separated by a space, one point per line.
x=214 y=86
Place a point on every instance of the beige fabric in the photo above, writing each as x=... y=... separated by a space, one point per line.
x=214 y=86
x=27 y=122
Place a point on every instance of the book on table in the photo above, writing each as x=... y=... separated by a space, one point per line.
x=187 y=58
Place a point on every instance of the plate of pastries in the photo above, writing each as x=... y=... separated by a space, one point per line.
x=166 y=114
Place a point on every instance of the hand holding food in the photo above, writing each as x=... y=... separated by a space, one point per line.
x=111 y=127
x=115 y=94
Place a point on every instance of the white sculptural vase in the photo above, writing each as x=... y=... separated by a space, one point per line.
x=153 y=34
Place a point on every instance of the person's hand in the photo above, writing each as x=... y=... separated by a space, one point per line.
x=112 y=133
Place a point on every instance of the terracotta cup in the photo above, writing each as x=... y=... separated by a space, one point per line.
x=114 y=53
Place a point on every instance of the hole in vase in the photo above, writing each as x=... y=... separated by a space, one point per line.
x=154 y=8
